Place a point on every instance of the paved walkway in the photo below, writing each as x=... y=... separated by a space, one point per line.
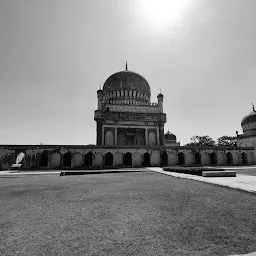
x=241 y=182
x=16 y=173
x=9 y=173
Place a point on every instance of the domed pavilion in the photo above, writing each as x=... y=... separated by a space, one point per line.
x=248 y=124
x=125 y=114
x=170 y=139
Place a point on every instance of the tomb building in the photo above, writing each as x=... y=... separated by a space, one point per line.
x=248 y=124
x=125 y=115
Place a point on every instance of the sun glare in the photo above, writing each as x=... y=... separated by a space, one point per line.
x=162 y=12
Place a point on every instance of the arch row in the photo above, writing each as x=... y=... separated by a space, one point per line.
x=128 y=158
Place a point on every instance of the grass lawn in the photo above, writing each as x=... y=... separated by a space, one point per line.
x=141 y=213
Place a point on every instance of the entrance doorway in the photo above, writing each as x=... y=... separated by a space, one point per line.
x=109 y=159
x=67 y=159
x=181 y=159
x=146 y=159
x=44 y=159
x=164 y=158
x=229 y=158
x=197 y=158
x=88 y=159
x=127 y=159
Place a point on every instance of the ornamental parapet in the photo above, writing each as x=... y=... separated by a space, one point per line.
x=150 y=108
x=130 y=116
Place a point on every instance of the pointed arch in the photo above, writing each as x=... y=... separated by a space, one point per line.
x=229 y=158
x=198 y=158
x=44 y=159
x=244 y=158
x=181 y=159
x=109 y=159
x=127 y=159
x=67 y=159
x=164 y=158
x=146 y=159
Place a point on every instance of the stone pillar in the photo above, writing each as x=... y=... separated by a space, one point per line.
x=102 y=136
x=157 y=137
x=99 y=133
x=49 y=159
x=146 y=136
x=161 y=135
x=116 y=136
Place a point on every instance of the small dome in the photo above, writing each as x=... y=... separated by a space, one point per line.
x=126 y=85
x=249 y=123
x=169 y=136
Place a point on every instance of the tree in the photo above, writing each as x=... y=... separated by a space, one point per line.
x=201 y=141
x=227 y=140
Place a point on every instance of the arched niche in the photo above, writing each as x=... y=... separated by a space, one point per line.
x=77 y=160
x=55 y=159
x=98 y=159
x=118 y=159
x=136 y=159
x=109 y=138
x=152 y=139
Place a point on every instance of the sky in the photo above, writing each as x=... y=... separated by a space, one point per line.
x=55 y=55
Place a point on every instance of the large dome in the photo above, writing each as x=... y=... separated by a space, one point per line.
x=249 y=123
x=126 y=85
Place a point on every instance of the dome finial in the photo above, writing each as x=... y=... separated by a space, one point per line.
x=126 y=67
x=253 y=108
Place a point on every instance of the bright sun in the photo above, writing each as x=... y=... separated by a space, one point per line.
x=162 y=12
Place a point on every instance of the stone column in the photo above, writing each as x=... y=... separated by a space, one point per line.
x=49 y=159
x=116 y=136
x=102 y=136
x=158 y=138
x=161 y=135
x=99 y=133
x=146 y=136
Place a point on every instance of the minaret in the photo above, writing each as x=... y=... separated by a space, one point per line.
x=160 y=98
x=100 y=98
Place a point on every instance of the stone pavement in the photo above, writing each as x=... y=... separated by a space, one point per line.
x=241 y=182
x=17 y=173
x=10 y=173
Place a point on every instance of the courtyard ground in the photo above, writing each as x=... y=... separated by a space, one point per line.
x=131 y=213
